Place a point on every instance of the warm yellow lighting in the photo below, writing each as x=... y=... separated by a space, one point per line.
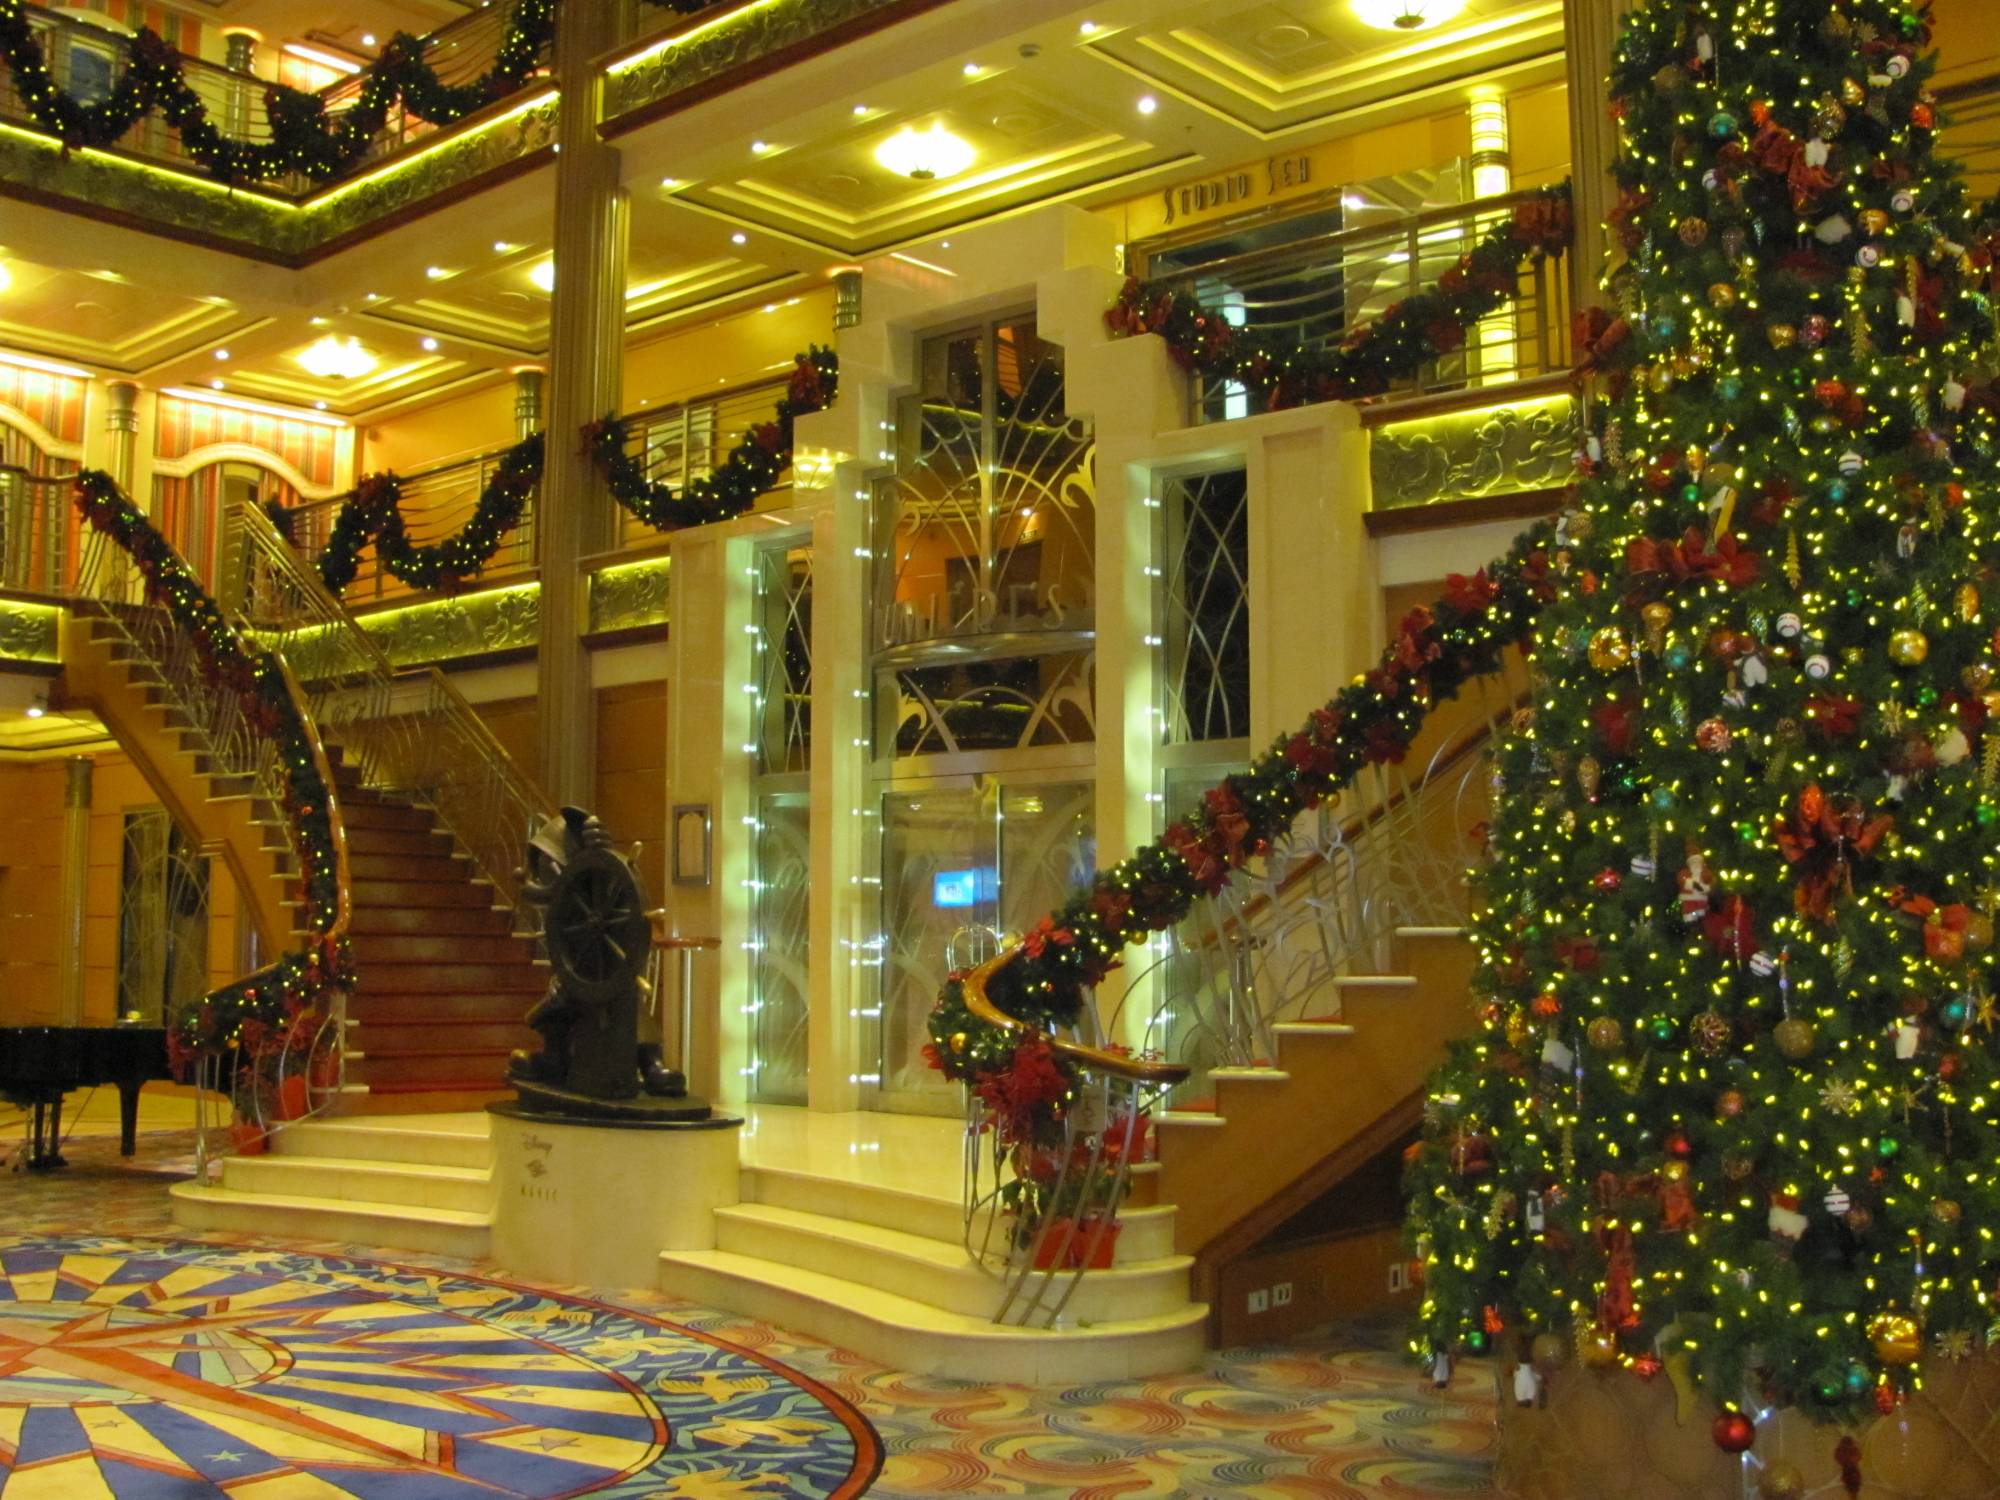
x=1147 y=104
x=237 y=403
x=333 y=358
x=46 y=366
x=925 y=155
x=1407 y=15
x=331 y=60
x=6 y=278
x=543 y=274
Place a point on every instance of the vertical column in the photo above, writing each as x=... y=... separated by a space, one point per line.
x=847 y=297
x=121 y=426
x=1589 y=27
x=75 y=892
x=239 y=56
x=1494 y=345
x=586 y=346
x=527 y=401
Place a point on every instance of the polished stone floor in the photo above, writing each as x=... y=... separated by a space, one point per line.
x=1339 y=1416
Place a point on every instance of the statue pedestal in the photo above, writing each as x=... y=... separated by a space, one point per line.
x=593 y=1203
x=1613 y=1436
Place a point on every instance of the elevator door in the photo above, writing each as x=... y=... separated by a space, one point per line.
x=959 y=860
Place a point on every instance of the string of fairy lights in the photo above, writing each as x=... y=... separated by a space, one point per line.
x=1731 y=1111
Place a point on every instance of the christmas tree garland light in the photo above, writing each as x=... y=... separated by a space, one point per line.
x=749 y=471
x=373 y=514
x=1732 y=1105
x=1408 y=335
x=1461 y=636
x=291 y=996
x=305 y=139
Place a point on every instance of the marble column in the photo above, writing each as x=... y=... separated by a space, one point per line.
x=847 y=297
x=75 y=892
x=1589 y=28
x=239 y=56
x=586 y=345
x=121 y=426
x=527 y=401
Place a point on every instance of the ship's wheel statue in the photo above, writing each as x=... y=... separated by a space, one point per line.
x=598 y=939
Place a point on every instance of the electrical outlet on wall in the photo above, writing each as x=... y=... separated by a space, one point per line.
x=1397 y=1281
x=1260 y=1301
x=1281 y=1294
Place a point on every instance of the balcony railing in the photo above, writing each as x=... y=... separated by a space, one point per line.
x=689 y=439
x=87 y=60
x=38 y=525
x=1318 y=291
x=1972 y=133
x=436 y=503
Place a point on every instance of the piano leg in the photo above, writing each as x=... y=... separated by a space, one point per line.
x=45 y=1144
x=128 y=1117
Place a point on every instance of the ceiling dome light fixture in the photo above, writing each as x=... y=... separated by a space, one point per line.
x=543 y=274
x=925 y=155
x=331 y=358
x=1407 y=15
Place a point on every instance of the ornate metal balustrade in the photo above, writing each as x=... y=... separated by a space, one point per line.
x=38 y=527
x=409 y=733
x=1319 y=290
x=435 y=502
x=689 y=439
x=87 y=58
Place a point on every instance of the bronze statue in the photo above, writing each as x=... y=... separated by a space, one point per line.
x=597 y=937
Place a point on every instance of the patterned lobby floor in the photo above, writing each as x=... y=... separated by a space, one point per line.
x=1341 y=1416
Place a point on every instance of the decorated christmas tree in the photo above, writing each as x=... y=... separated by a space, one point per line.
x=1732 y=1108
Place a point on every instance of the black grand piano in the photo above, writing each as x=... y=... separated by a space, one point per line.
x=39 y=1064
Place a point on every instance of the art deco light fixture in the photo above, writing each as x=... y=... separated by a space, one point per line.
x=925 y=154
x=331 y=358
x=1407 y=15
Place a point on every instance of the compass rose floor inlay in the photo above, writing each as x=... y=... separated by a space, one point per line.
x=138 y=1370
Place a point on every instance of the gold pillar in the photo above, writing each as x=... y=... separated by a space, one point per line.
x=1496 y=352
x=586 y=345
x=527 y=401
x=240 y=57
x=75 y=892
x=121 y=422
x=1589 y=28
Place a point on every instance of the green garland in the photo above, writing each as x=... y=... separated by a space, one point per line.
x=1394 y=347
x=243 y=1014
x=1436 y=650
x=752 y=467
x=373 y=514
x=305 y=139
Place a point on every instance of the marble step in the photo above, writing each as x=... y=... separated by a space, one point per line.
x=460 y=1189
x=1148 y=1231
x=367 y=1226
x=906 y=1334
x=939 y=1273
x=441 y=1141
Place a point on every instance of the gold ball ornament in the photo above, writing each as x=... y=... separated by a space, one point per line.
x=1781 y=1481
x=1978 y=932
x=1736 y=1166
x=1597 y=1348
x=1968 y=603
x=1722 y=295
x=1908 y=648
x=1657 y=617
x=1729 y=1104
x=1873 y=221
x=1581 y=526
x=1852 y=93
x=1895 y=1339
x=1794 y=1037
x=1609 y=650
x=1693 y=231
x=1710 y=1032
x=1517 y=1028
x=1945 y=1210
x=1605 y=1034
x=1589 y=775
x=1977 y=677
x=958 y=1040
x=1781 y=335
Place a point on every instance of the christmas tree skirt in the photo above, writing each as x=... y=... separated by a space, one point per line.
x=1614 y=1436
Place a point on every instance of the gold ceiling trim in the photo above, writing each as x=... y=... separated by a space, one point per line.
x=160 y=343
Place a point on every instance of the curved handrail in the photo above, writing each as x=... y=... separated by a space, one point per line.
x=1153 y=1074
x=343 y=906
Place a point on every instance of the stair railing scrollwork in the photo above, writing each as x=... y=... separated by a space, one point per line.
x=229 y=727
x=408 y=732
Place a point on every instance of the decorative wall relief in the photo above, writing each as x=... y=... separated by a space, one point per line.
x=1494 y=450
x=626 y=596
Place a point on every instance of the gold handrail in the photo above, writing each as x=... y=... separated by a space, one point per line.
x=1096 y=1059
x=343 y=909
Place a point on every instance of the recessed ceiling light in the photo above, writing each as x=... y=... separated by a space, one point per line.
x=502 y=247
x=436 y=273
x=758 y=148
x=770 y=307
x=319 y=406
x=1407 y=15
x=972 y=70
x=316 y=322
x=861 y=109
x=6 y=278
x=335 y=359
x=1147 y=104
x=739 y=238
x=925 y=155
x=543 y=274
x=215 y=385
x=1088 y=28
x=222 y=354
x=670 y=183
x=944 y=244
x=430 y=345
x=372 y=297
x=367 y=38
